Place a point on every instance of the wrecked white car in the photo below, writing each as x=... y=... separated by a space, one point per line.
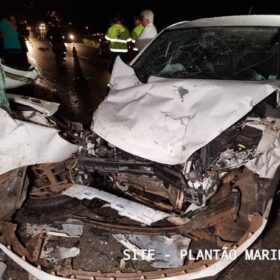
x=18 y=77
x=186 y=146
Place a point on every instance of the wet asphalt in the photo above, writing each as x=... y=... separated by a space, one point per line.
x=80 y=86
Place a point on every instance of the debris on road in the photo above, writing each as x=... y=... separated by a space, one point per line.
x=68 y=230
x=59 y=253
x=161 y=251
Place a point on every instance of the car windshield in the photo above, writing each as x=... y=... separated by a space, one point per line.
x=225 y=53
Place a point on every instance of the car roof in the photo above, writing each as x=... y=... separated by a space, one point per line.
x=247 y=20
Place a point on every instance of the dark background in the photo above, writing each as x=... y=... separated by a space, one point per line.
x=99 y=13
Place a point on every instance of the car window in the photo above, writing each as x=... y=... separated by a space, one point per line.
x=226 y=53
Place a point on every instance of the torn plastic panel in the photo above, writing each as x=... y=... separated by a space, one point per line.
x=24 y=143
x=45 y=107
x=267 y=159
x=125 y=207
x=123 y=76
x=16 y=77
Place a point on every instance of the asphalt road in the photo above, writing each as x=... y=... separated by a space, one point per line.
x=80 y=87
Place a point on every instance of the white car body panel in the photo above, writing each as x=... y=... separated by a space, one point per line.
x=16 y=78
x=23 y=143
x=45 y=107
x=247 y=20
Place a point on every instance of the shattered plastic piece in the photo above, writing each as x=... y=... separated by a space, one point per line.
x=45 y=107
x=125 y=207
x=37 y=118
x=231 y=159
x=122 y=265
x=167 y=251
x=154 y=122
x=23 y=143
x=123 y=76
x=60 y=253
x=73 y=230
x=266 y=164
x=68 y=230
x=3 y=267
x=17 y=78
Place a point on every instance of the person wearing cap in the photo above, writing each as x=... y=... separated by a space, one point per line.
x=149 y=32
x=118 y=36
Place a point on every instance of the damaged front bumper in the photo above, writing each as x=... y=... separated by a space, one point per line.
x=195 y=270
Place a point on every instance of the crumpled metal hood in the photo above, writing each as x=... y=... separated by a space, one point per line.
x=166 y=121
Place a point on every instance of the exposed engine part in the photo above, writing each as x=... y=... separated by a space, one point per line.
x=231 y=159
x=197 y=180
x=231 y=150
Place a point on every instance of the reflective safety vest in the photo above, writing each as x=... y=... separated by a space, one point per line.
x=119 y=36
x=136 y=32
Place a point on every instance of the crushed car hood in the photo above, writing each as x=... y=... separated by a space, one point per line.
x=166 y=121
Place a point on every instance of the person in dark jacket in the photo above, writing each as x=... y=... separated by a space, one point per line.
x=10 y=42
x=56 y=36
x=23 y=36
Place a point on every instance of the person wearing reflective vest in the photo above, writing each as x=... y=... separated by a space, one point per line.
x=118 y=36
x=136 y=32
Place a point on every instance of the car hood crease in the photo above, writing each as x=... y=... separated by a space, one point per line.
x=166 y=121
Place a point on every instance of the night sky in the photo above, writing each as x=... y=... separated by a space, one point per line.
x=99 y=13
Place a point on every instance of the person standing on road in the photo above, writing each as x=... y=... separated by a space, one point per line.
x=23 y=36
x=149 y=32
x=10 y=42
x=56 y=36
x=136 y=32
x=118 y=36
